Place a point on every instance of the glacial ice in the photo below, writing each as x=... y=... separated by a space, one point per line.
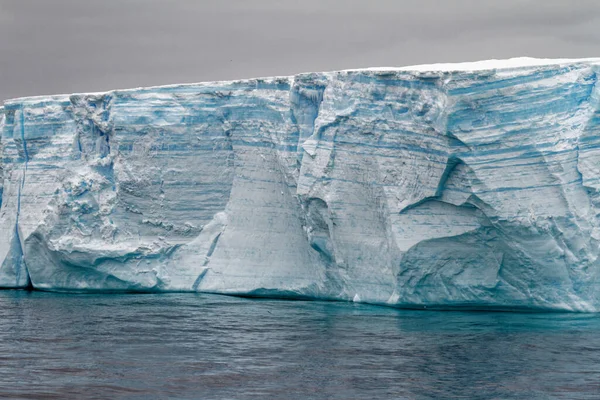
x=471 y=185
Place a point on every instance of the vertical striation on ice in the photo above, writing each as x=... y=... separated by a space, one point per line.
x=453 y=186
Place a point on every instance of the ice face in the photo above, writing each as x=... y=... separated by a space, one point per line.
x=470 y=185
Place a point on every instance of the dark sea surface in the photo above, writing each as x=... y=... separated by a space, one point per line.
x=56 y=346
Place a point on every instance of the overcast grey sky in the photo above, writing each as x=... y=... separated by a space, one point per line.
x=64 y=46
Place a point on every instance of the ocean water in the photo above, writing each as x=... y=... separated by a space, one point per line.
x=56 y=346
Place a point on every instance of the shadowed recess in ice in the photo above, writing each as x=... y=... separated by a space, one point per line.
x=444 y=186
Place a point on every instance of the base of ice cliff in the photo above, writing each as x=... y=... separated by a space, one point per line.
x=445 y=186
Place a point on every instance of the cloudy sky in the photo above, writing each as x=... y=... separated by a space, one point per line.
x=64 y=46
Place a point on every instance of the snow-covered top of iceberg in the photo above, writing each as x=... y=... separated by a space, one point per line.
x=511 y=63
x=508 y=64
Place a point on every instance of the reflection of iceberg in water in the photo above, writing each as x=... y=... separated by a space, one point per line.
x=468 y=185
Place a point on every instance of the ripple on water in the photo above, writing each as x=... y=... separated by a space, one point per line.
x=206 y=346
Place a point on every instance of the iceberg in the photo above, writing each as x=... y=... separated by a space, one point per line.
x=446 y=186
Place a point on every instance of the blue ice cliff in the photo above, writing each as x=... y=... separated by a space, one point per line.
x=445 y=186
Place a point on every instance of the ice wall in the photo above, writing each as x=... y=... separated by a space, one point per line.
x=445 y=186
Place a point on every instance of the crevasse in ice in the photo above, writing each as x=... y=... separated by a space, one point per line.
x=443 y=186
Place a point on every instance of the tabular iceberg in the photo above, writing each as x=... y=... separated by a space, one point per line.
x=470 y=185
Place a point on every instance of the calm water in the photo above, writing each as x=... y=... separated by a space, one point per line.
x=203 y=346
